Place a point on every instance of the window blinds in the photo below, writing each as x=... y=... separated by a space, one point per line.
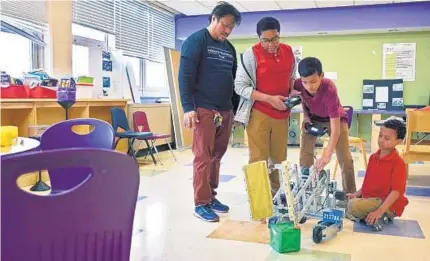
x=140 y=28
x=99 y=15
x=29 y=14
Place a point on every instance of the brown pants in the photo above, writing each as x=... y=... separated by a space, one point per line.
x=359 y=208
x=343 y=154
x=267 y=140
x=209 y=146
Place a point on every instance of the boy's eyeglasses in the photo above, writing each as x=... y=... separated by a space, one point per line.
x=268 y=41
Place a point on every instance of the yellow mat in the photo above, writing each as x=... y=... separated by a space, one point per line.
x=244 y=231
x=259 y=190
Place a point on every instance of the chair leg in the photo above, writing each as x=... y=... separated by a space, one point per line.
x=156 y=151
x=170 y=148
x=149 y=148
x=363 y=151
x=131 y=151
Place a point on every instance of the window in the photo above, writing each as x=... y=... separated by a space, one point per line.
x=80 y=60
x=136 y=68
x=155 y=76
x=88 y=33
x=16 y=55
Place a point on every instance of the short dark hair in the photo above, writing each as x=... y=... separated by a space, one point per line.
x=398 y=125
x=309 y=66
x=223 y=9
x=268 y=23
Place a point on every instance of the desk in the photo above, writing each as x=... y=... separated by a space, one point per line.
x=28 y=112
x=23 y=144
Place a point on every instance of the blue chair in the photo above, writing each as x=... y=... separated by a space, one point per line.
x=120 y=121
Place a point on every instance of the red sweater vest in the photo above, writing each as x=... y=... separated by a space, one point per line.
x=274 y=73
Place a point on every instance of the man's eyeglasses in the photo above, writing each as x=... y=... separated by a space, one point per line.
x=268 y=41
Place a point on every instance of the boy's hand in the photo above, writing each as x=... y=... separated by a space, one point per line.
x=306 y=120
x=295 y=93
x=320 y=163
x=372 y=217
x=351 y=195
x=277 y=101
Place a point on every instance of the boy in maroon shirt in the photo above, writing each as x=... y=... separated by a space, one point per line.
x=382 y=196
x=322 y=108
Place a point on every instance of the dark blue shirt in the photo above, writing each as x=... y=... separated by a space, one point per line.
x=206 y=73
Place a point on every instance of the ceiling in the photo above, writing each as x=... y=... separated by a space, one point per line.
x=198 y=7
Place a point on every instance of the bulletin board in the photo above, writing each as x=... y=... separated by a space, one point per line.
x=383 y=95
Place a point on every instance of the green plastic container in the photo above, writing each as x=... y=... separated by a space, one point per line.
x=285 y=238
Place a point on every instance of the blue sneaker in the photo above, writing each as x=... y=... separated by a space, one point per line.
x=206 y=213
x=219 y=207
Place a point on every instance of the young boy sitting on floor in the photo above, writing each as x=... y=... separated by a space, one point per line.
x=382 y=196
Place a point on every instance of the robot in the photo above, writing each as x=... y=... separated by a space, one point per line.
x=303 y=194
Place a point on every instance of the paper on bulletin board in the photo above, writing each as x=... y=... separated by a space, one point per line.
x=399 y=61
x=298 y=54
x=381 y=94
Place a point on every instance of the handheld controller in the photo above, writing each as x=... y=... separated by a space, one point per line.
x=315 y=131
x=293 y=101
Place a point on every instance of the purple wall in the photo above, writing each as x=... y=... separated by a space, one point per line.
x=405 y=15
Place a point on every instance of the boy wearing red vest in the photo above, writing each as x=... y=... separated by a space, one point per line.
x=382 y=196
x=263 y=82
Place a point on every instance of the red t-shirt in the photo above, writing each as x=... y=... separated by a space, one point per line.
x=274 y=73
x=325 y=105
x=383 y=176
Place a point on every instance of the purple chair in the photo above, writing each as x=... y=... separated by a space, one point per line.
x=92 y=221
x=61 y=135
x=350 y=112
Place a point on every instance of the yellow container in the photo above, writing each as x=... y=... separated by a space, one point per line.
x=9 y=135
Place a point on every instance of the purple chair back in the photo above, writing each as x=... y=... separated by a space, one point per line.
x=61 y=135
x=350 y=112
x=92 y=221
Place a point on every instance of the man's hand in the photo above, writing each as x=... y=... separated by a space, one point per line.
x=277 y=101
x=374 y=216
x=320 y=163
x=295 y=93
x=190 y=120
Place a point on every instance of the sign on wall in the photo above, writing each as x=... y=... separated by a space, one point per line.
x=399 y=61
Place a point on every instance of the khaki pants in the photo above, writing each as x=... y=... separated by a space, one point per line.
x=361 y=207
x=267 y=140
x=343 y=154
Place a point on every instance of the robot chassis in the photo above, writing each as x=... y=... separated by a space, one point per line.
x=302 y=195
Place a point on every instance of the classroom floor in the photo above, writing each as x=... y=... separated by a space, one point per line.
x=165 y=228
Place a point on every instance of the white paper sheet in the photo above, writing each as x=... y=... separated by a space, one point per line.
x=367 y=102
x=381 y=94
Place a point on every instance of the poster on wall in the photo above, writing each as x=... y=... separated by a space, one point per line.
x=399 y=61
x=298 y=54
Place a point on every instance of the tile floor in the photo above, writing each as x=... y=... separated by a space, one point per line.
x=165 y=228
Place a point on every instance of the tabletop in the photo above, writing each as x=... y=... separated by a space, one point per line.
x=23 y=144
